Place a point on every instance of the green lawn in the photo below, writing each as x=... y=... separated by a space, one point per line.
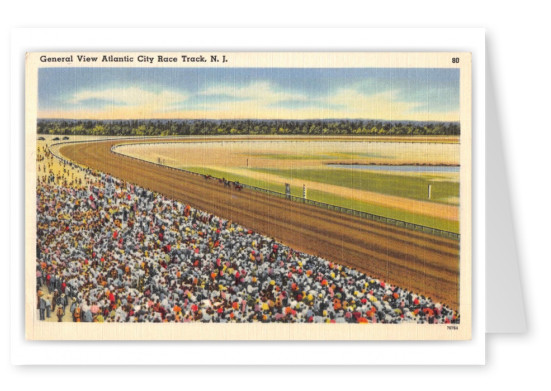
x=414 y=187
x=398 y=214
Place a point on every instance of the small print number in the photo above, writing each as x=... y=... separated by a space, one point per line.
x=455 y=60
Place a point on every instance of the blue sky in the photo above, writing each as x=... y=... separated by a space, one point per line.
x=249 y=93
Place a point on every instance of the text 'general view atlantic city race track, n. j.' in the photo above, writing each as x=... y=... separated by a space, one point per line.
x=421 y=262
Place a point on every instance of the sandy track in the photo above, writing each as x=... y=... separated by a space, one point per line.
x=420 y=262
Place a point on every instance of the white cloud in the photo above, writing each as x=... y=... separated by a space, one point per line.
x=123 y=102
x=129 y=96
x=256 y=100
x=262 y=92
x=382 y=105
x=379 y=105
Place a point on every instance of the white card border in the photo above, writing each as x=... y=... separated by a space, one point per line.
x=246 y=353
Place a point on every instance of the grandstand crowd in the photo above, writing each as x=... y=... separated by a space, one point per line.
x=110 y=251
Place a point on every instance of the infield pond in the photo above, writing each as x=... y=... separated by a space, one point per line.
x=410 y=179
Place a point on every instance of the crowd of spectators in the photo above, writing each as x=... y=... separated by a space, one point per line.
x=110 y=251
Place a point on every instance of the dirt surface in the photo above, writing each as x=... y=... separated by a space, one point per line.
x=288 y=153
x=423 y=263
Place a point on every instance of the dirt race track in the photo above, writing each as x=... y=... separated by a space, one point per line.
x=423 y=263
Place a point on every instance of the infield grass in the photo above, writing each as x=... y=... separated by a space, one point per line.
x=408 y=186
x=329 y=198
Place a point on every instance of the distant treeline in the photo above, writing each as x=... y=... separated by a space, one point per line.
x=249 y=127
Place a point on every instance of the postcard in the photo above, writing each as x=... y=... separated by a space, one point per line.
x=248 y=196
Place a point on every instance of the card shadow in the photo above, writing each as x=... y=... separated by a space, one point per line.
x=505 y=310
